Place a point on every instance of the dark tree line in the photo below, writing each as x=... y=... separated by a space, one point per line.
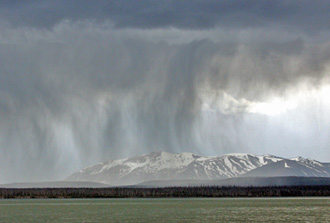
x=120 y=192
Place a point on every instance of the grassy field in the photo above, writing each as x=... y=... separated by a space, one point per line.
x=166 y=210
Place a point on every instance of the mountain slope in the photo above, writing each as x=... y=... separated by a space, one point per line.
x=241 y=182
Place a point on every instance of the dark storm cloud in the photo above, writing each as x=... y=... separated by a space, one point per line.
x=304 y=15
x=77 y=95
x=87 y=81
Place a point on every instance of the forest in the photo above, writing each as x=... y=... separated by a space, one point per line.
x=168 y=192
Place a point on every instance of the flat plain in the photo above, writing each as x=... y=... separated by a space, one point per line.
x=316 y=209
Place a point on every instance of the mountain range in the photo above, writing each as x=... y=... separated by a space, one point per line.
x=158 y=167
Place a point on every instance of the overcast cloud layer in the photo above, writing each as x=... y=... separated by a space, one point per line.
x=88 y=81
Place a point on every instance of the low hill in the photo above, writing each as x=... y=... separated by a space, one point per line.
x=55 y=184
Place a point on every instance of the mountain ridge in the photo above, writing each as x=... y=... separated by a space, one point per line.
x=188 y=166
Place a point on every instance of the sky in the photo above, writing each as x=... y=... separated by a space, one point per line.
x=83 y=82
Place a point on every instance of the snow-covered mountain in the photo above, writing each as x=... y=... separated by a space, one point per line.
x=293 y=167
x=168 y=166
x=187 y=166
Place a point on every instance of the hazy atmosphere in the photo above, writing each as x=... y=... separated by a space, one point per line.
x=83 y=82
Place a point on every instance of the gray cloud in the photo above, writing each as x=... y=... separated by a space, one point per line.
x=81 y=92
x=187 y=14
